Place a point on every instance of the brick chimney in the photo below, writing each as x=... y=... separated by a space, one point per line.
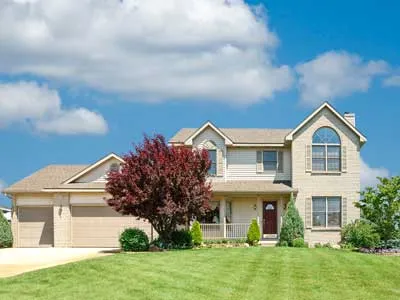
x=351 y=117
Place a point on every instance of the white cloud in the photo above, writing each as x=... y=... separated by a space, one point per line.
x=146 y=49
x=392 y=81
x=369 y=174
x=336 y=74
x=40 y=107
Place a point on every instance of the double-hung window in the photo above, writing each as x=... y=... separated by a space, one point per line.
x=326 y=212
x=270 y=160
x=326 y=150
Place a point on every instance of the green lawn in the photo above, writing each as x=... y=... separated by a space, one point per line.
x=245 y=273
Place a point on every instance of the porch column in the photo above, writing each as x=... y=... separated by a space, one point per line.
x=280 y=211
x=222 y=215
x=260 y=214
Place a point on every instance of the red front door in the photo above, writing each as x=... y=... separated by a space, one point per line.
x=269 y=217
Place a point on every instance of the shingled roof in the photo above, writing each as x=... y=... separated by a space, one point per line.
x=48 y=177
x=241 y=135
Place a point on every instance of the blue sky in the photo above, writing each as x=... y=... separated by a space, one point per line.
x=70 y=95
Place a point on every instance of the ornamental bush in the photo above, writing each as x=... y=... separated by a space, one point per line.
x=197 y=235
x=299 y=243
x=292 y=225
x=253 y=234
x=6 y=238
x=134 y=239
x=360 y=234
x=181 y=239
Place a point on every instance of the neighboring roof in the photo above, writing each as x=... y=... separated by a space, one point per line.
x=189 y=139
x=241 y=135
x=363 y=139
x=48 y=177
x=3 y=208
x=253 y=186
x=92 y=166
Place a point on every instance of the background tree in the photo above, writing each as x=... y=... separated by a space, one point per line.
x=6 y=238
x=381 y=207
x=292 y=225
x=165 y=185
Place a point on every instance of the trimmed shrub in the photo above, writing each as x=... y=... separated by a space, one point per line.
x=299 y=243
x=318 y=245
x=292 y=224
x=197 y=235
x=181 y=239
x=360 y=235
x=253 y=234
x=6 y=238
x=282 y=244
x=134 y=239
x=390 y=244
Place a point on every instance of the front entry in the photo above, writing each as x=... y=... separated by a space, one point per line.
x=270 y=218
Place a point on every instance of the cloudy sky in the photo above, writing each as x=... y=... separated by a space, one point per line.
x=79 y=79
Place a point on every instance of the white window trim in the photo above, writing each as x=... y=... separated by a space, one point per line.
x=277 y=160
x=216 y=163
x=326 y=213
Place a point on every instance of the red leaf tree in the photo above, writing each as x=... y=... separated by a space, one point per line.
x=165 y=185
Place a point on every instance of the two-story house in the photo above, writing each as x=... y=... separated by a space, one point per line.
x=254 y=172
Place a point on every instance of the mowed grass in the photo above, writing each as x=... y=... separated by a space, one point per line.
x=242 y=273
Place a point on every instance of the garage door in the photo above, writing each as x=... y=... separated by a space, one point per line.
x=35 y=227
x=101 y=226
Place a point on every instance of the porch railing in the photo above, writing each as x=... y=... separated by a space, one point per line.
x=224 y=230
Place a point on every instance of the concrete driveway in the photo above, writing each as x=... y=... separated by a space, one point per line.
x=14 y=261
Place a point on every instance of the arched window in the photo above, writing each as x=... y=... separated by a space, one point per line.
x=326 y=150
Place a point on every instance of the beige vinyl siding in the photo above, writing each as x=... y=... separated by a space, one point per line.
x=34 y=200
x=309 y=184
x=209 y=134
x=242 y=165
x=99 y=173
x=35 y=227
x=101 y=226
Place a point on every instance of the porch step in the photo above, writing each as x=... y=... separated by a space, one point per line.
x=268 y=243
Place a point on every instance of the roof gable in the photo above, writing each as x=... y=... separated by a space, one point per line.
x=208 y=124
x=326 y=105
x=90 y=168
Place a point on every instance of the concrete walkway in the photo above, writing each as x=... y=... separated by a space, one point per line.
x=14 y=261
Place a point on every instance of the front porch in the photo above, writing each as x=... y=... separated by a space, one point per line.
x=231 y=215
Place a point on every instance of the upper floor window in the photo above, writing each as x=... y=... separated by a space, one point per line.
x=325 y=150
x=270 y=160
x=212 y=154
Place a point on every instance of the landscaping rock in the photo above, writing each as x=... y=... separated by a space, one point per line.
x=246 y=245
x=154 y=248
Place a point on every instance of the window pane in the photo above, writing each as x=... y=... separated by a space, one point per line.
x=326 y=135
x=318 y=151
x=319 y=204
x=333 y=164
x=269 y=155
x=319 y=219
x=212 y=154
x=334 y=219
x=213 y=169
x=268 y=165
x=333 y=151
x=334 y=204
x=318 y=164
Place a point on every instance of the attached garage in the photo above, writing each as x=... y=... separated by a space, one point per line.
x=35 y=226
x=100 y=226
